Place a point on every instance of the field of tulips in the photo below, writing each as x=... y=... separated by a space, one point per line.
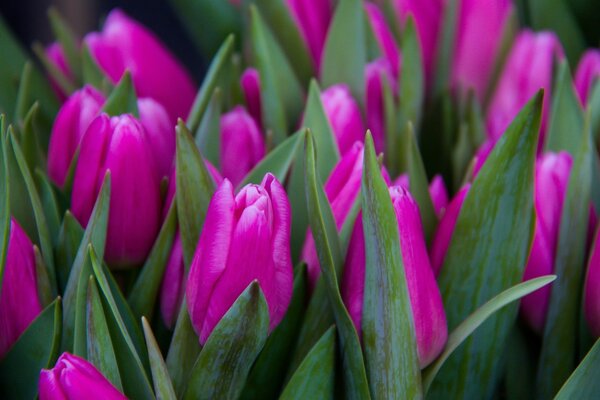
x=386 y=199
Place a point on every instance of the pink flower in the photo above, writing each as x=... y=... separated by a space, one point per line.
x=56 y=56
x=344 y=116
x=375 y=73
x=437 y=191
x=312 y=19
x=384 y=37
x=591 y=302
x=250 y=82
x=587 y=73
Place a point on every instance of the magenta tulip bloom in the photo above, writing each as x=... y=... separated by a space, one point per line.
x=445 y=229
x=124 y=44
x=312 y=19
x=437 y=191
x=375 y=74
x=19 y=301
x=160 y=132
x=588 y=72
x=426 y=301
x=551 y=180
x=121 y=145
x=384 y=37
x=242 y=144
x=527 y=70
x=250 y=82
x=591 y=300
x=479 y=33
x=56 y=56
x=344 y=116
x=70 y=124
x=245 y=237
x=74 y=378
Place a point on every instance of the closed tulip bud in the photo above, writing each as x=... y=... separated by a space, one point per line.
x=431 y=330
x=250 y=82
x=437 y=191
x=120 y=145
x=56 y=55
x=481 y=25
x=160 y=132
x=245 y=237
x=551 y=180
x=591 y=299
x=529 y=68
x=74 y=378
x=375 y=74
x=445 y=229
x=68 y=129
x=124 y=44
x=242 y=144
x=588 y=72
x=344 y=116
x=19 y=300
x=385 y=38
x=312 y=19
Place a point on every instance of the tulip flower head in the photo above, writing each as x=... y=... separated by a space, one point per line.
x=591 y=299
x=245 y=237
x=344 y=116
x=437 y=191
x=588 y=72
x=384 y=37
x=250 y=82
x=376 y=72
x=312 y=19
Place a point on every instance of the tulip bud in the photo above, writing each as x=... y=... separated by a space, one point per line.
x=591 y=299
x=250 y=82
x=445 y=229
x=124 y=44
x=242 y=144
x=551 y=180
x=160 y=132
x=74 y=378
x=375 y=73
x=121 y=145
x=529 y=68
x=588 y=72
x=244 y=238
x=437 y=191
x=312 y=19
x=70 y=124
x=429 y=318
x=56 y=55
x=481 y=25
x=19 y=300
x=344 y=116
x=384 y=37
x=172 y=287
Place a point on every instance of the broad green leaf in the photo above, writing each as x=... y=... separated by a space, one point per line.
x=412 y=81
x=328 y=249
x=267 y=374
x=69 y=238
x=100 y=351
x=478 y=317
x=584 y=382
x=209 y=84
x=345 y=50
x=162 y=382
x=144 y=294
x=4 y=199
x=314 y=378
x=558 y=355
x=195 y=187
x=281 y=93
x=208 y=135
x=35 y=349
x=497 y=214
x=225 y=361
x=68 y=41
x=122 y=99
x=388 y=333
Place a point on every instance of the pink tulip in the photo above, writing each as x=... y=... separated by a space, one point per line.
x=437 y=191
x=312 y=19
x=124 y=44
x=244 y=238
x=384 y=37
x=588 y=72
x=375 y=74
x=74 y=378
x=529 y=68
x=70 y=124
x=551 y=180
x=121 y=145
x=160 y=133
x=481 y=25
x=445 y=229
x=591 y=302
x=426 y=301
x=56 y=56
x=250 y=82
x=19 y=301
x=344 y=116
x=242 y=144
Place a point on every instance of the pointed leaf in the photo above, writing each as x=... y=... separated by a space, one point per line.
x=412 y=81
x=122 y=99
x=4 y=199
x=584 y=383
x=162 y=383
x=69 y=238
x=49 y=205
x=208 y=135
x=68 y=41
x=92 y=74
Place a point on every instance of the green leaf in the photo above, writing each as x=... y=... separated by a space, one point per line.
x=345 y=50
x=195 y=187
x=79 y=325
x=49 y=205
x=478 y=317
x=558 y=356
x=122 y=99
x=497 y=215
x=412 y=81
x=225 y=361
x=584 y=382
x=208 y=135
x=162 y=382
x=100 y=350
x=445 y=49
x=69 y=238
x=144 y=294
x=328 y=250
x=388 y=333
x=314 y=378
x=35 y=349
x=209 y=84
x=54 y=72
x=4 y=199
x=68 y=41
x=92 y=74
x=23 y=100
x=281 y=93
